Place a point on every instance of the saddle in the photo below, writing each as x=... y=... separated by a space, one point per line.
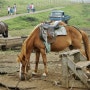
x=50 y=29
x=48 y=25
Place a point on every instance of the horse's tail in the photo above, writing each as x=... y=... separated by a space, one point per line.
x=86 y=44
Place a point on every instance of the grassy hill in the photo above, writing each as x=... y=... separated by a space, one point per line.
x=22 y=5
x=23 y=25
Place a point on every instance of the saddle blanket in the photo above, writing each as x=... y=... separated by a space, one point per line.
x=61 y=31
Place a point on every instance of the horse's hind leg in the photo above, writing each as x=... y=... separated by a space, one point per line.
x=43 y=53
x=5 y=34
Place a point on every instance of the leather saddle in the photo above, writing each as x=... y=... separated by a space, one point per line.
x=48 y=25
x=48 y=29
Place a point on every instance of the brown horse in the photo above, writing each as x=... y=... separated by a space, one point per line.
x=73 y=40
x=4 y=29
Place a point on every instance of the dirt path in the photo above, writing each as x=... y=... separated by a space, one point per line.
x=17 y=15
x=9 y=70
x=9 y=73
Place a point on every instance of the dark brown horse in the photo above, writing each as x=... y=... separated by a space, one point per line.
x=73 y=40
x=4 y=29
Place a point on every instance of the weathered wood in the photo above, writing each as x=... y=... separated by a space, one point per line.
x=76 y=68
x=65 y=73
x=79 y=57
x=78 y=73
x=83 y=64
x=83 y=78
x=69 y=52
x=76 y=83
x=11 y=42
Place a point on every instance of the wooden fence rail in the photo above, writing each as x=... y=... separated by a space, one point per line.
x=11 y=42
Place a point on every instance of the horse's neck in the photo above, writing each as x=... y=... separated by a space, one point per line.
x=30 y=40
x=27 y=46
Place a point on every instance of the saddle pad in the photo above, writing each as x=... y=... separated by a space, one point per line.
x=61 y=31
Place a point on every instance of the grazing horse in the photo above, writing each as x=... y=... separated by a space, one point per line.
x=73 y=40
x=4 y=29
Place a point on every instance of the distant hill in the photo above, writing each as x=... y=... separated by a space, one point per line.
x=22 y=5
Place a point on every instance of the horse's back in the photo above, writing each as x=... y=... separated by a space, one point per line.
x=4 y=29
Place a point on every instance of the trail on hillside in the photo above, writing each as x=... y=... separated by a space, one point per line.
x=17 y=15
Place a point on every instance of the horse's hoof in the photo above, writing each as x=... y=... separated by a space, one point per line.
x=27 y=77
x=34 y=73
x=44 y=74
x=22 y=78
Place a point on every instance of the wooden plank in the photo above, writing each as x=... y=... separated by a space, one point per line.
x=83 y=64
x=76 y=83
x=79 y=57
x=83 y=78
x=78 y=73
x=68 y=63
x=11 y=41
x=71 y=52
x=65 y=73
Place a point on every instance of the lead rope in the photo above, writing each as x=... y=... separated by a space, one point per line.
x=17 y=84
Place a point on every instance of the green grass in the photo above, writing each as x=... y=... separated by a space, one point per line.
x=80 y=15
x=22 y=5
x=23 y=25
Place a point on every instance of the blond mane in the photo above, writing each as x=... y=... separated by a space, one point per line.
x=23 y=49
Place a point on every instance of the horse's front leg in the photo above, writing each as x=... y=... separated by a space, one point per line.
x=22 y=73
x=43 y=53
x=24 y=67
x=36 y=62
x=24 y=70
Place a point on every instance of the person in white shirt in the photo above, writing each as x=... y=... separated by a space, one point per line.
x=33 y=8
x=8 y=10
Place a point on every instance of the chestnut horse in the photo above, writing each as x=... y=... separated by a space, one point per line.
x=73 y=40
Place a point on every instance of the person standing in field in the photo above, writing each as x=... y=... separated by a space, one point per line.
x=8 y=10
x=28 y=8
x=15 y=8
x=11 y=11
x=33 y=7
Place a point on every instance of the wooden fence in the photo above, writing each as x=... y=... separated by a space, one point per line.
x=12 y=42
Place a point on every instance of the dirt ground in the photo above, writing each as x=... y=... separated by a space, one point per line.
x=9 y=73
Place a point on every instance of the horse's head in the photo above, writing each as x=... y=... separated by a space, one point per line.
x=23 y=69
